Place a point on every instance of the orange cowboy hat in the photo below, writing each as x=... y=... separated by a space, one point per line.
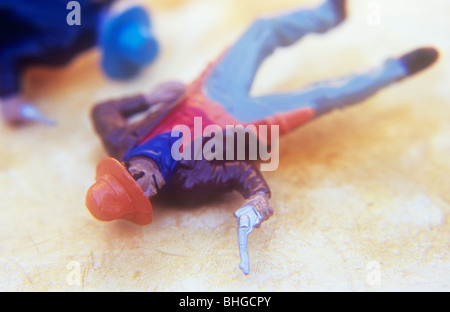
x=116 y=195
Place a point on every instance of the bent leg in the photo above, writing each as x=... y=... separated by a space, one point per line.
x=233 y=76
x=326 y=96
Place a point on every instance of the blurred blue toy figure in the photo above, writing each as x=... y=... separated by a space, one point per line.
x=42 y=33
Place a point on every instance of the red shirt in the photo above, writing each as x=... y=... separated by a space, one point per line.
x=195 y=103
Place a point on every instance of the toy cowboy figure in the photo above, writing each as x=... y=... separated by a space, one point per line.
x=141 y=165
x=36 y=33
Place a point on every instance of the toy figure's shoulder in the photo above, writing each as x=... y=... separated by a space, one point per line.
x=47 y=11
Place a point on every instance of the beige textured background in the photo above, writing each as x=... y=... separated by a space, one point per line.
x=358 y=188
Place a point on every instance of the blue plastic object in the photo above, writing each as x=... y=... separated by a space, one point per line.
x=36 y=33
x=127 y=43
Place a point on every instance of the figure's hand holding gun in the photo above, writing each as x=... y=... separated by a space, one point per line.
x=254 y=211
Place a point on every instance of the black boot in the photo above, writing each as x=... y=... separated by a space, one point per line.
x=340 y=6
x=419 y=59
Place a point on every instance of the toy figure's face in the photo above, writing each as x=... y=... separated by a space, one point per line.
x=146 y=174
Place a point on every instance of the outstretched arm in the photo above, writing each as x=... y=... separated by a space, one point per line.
x=111 y=118
x=198 y=180
x=255 y=209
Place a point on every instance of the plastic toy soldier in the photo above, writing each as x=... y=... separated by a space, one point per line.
x=141 y=165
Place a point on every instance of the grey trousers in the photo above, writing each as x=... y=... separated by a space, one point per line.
x=231 y=80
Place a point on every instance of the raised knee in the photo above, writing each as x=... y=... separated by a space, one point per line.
x=262 y=24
